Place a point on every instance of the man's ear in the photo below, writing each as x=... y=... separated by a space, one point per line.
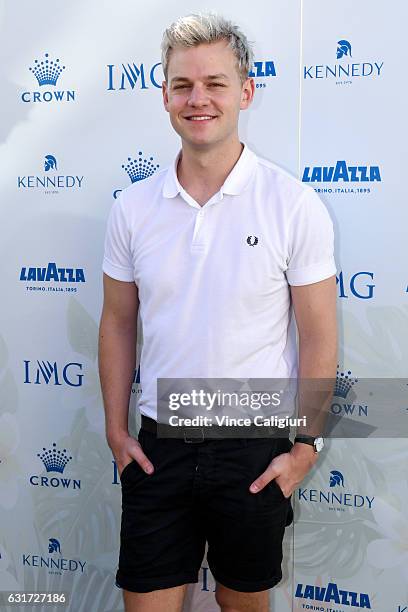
x=247 y=94
x=165 y=93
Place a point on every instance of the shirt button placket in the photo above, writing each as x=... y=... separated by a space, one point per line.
x=198 y=244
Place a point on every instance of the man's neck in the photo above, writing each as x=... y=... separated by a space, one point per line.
x=203 y=172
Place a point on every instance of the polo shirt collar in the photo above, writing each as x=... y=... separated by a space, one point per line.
x=234 y=184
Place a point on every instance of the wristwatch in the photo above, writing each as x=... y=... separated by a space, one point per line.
x=317 y=443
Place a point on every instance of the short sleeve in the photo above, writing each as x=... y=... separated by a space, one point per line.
x=117 y=260
x=311 y=242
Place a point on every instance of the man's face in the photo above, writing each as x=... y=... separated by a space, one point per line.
x=204 y=94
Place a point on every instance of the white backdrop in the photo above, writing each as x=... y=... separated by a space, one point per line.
x=105 y=108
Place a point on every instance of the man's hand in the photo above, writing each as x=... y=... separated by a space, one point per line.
x=124 y=449
x=288 y=469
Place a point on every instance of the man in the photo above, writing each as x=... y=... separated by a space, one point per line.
x=213 y=253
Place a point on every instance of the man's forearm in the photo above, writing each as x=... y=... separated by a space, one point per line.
x=317 y=375
x=117 y=360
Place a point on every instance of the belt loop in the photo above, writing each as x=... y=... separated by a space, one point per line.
x=193 y=439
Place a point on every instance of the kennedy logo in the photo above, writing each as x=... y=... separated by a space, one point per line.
x=54 y=461
x=54 y=546
x=344 y=71
x=55 y=563
x=337 y=500
x=336 y=478
x=138 y=169
x=252 y=241
x=50 y=373
x=50 y=163
x=47 y=72
x=343 y=48
x=357 y=285
x=51 y=182
x=332 y=594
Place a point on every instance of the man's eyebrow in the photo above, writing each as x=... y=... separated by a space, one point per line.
x=210 y=77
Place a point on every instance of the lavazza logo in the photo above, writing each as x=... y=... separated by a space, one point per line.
x=47 y=73
x=331 y=594
x=137 y=169
x=52 y=278
x=54 y=562
x=336 y=497
x=54 y=461
x=345 y=177
x=346 y=69
x=51 y=181
x=141 y=76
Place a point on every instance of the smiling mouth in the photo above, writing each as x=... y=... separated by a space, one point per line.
x=200 y=118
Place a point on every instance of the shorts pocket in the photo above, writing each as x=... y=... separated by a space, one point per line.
x=126 y=469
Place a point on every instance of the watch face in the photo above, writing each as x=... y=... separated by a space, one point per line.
x=319 y=444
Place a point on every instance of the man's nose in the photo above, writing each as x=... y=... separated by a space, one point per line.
x=198 y=96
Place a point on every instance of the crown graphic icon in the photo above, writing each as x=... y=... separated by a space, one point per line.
x=54 y=460
x=48 y=71
x=139 y=169
x=343 y=383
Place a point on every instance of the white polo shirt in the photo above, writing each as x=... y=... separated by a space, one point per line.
x=214 y=280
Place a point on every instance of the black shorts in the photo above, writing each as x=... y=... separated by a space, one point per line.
x=200 y=492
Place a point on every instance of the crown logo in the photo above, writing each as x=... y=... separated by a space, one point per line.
x=139 y=169
x=344 y=48
x=336 y=478
x=47 y=72
x=54 y=460
x=343 y=383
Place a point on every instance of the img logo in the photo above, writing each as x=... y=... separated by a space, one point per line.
x=51 y=182
x=134 y=76
x=344 y=71
x=49 y=373
x=357 y=285
x=54 y=462
x=333 y=595
x=47 y=73
x=337 y=500
x=55 y=563
x=138 y=169
x=344 y=384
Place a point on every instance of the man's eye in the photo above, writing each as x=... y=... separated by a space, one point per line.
x=216 y=84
